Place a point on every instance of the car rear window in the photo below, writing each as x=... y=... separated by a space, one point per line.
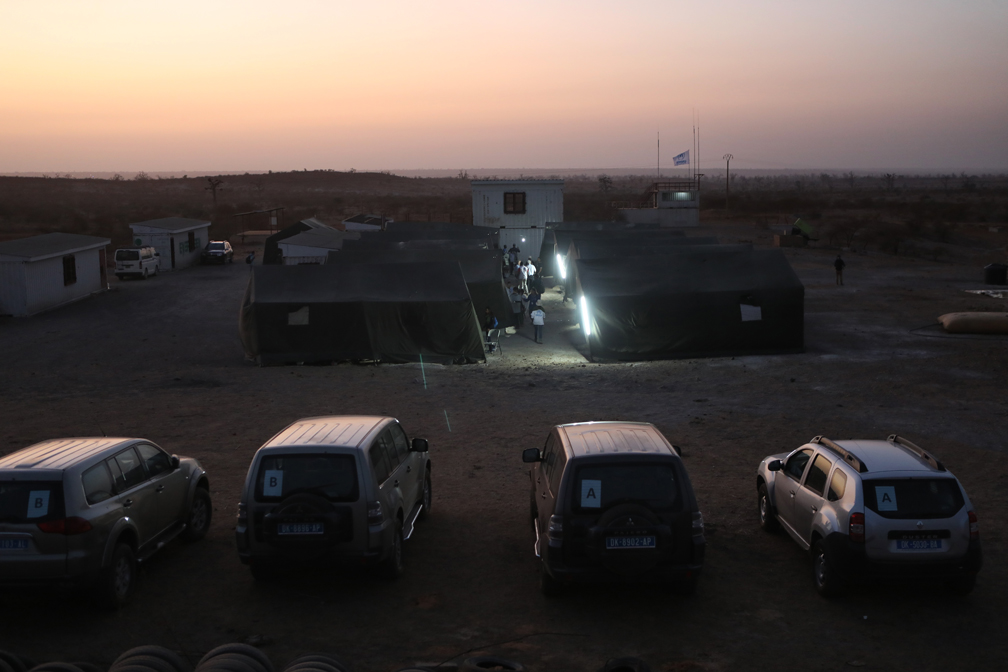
x=215 y=246
x=31 y=501
x=331 y=476
x=597 y=487
x=127 y=255
x=913 y=497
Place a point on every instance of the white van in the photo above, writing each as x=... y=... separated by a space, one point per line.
x=137 y=261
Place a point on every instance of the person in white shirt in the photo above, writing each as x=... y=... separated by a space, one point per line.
x=523 y=278
x=538 y=321
x=531 y=268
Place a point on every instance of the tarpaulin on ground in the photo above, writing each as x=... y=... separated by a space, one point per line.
x=480 y=267
x=704 y=300
x=355 y=312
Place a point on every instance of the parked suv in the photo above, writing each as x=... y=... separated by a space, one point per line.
x=871 y=509
x=217 y=252
x=139 y=262
x=87 y=510
x=611 y=501
x=333 y=489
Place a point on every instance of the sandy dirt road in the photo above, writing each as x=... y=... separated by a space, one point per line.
x=161 y=359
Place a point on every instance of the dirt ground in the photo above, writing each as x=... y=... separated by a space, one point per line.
x=161 y=359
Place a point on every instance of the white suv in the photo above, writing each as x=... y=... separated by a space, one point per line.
x=333 y=489
x=140 y=262
x=871 y=509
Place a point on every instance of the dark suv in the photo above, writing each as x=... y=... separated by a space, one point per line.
x=611 y=501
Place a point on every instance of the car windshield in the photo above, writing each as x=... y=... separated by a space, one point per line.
x=215 y=246
x=913 y=497
x=331 y=476
x=127 y=255
x=30 y=501
x=598 y=487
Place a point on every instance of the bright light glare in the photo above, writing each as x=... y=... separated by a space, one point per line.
x=560 y=265
x=585 y=319
x=523 y=240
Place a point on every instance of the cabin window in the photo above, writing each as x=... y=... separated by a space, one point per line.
x=69 y=270
x=514 y=203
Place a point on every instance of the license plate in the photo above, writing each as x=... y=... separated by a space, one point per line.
x=918 y=544
x=13 y=544
x=630 y=542
x=300 y=528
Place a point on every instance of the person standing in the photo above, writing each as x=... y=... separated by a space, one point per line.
x=518 y=307
x=489 y=324
x=523 y=277
x=839 y=266
x=512 y=257
x=531 y=268
x=538 y=321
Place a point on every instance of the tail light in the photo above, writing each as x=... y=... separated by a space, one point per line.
x=375 y=516
x=66 y=526
x=555 y=529
x=856 y=528
x=698 y=526
x=974 y=526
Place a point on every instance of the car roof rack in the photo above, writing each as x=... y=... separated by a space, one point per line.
x=916 y=450
x=849 y=457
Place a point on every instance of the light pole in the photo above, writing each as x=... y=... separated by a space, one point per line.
x=727 y=188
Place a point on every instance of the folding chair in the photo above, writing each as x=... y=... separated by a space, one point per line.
x=492 y=342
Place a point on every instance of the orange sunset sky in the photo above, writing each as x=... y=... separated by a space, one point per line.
x=162 y=86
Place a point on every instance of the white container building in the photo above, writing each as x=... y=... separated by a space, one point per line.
x=670 y=203
x=312 y=246
x=520 y=209
x=42 y=272
x=178 y=240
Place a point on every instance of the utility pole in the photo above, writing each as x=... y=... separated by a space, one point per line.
x=727 y=187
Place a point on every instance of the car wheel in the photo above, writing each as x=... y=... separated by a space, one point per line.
x=391 y=568
x=200 y=515
x=548 y=586
x=427 y=497
x=767 y=519
x=264 y=571
x=824 y=573
x=119 y=276
x=963 y=585
x=156 y=269
x=119 y=578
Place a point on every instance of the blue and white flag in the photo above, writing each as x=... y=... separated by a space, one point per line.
x=681 y=159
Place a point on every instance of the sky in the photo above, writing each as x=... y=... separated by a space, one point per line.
x=385 y=85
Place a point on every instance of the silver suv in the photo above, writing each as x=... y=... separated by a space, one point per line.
x=871 y=509
x=87 y=510
x=612 y=502
x=331 y=489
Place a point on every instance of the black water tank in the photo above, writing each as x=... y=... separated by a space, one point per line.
x=995 y=274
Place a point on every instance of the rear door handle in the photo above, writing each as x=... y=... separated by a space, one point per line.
x=128 y=503
x=409 y=469
x=160 y=488
x=814 y=509
x=396 y=483
x=544 y=495
x=792 y=493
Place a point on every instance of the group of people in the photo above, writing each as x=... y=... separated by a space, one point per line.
x=526 y=289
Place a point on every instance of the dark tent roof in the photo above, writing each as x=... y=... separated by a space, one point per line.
x=340 y=312
x=481 y=268
x=703 y=300
x=271 y=255
x=407 y=227
x=597 y=248
x=460 y=232
x=367 y=243
x=599 y=226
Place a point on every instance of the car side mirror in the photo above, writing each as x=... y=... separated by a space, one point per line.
x=531 y=455
x=419 y=446
x=773 y=465
x=678 y=450
x=175 y=461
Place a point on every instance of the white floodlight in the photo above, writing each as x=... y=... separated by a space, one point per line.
x=585 y=317
x=523 y=240
x=560 y=265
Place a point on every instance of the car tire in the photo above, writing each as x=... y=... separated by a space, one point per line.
x=118 y=579
x=548 y=586
x=767 y=520
x=391 y=568
x=428 y=497
x=156 y=269
x=824 y=573
x=236 y=651
x=311 y=661
x=118 y=275
x=963 y=585
x=13 y=662
x=199 y=517
x=490 y=663
x=264 y=571
x=146 y=652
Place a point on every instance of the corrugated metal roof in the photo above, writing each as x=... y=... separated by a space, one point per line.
x=602 y=438
x=50 y=245
x=59 y=453
x=337 y=430
x=883 y=456
x=173 y=224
